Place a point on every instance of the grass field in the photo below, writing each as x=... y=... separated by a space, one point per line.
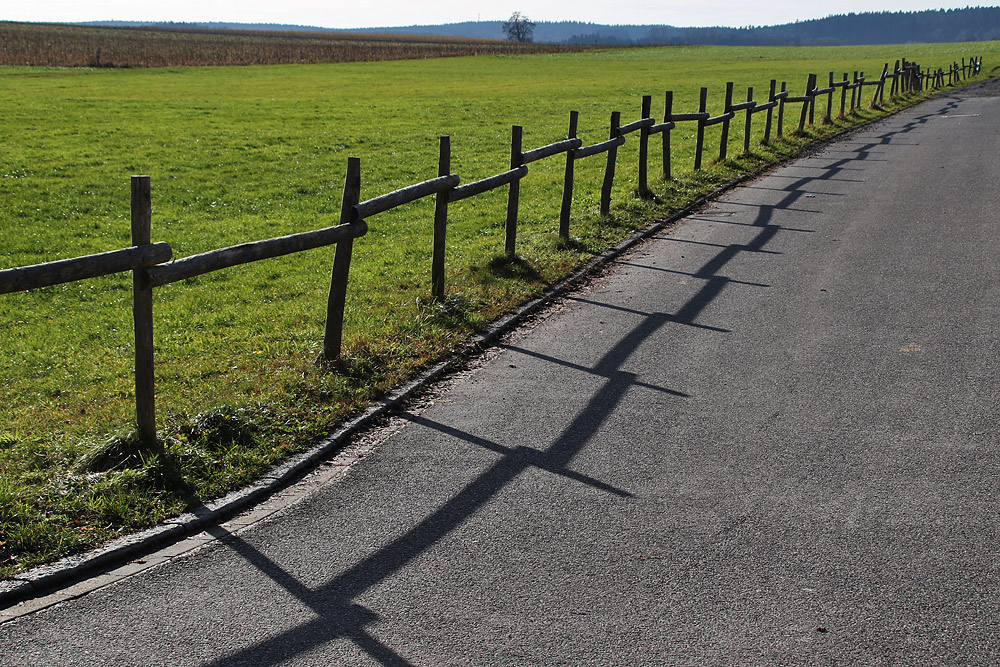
x=238 y=154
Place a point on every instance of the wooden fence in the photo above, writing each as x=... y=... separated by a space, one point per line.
x=151 y=266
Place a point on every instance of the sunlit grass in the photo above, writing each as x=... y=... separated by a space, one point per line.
x=238 y=154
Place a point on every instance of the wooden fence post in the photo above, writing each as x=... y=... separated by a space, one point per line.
x=609 y=167
x=440 y=221
x=142 y=316
x=812 y=99
x=807 y=105
x=333 y=336
x=854 y=90
x=768 y=117
x=567 y=196
x=829 y=102
x=647 y=103
x=514 y=193
x=843 y=95
x=700 y=141
x=724 y=142
x=668 y=109
x=747 y=123
x=781 y=113
x=880 y=88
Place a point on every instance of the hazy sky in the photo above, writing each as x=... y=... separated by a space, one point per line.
x=375 y=13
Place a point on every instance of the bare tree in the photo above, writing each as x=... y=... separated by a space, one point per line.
x=518 y=28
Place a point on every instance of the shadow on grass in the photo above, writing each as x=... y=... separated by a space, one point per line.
x=504 y=267
x=572 y=244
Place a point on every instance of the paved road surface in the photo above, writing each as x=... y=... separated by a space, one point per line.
x=768 y=437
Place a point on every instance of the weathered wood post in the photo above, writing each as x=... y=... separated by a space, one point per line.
x=647 y=105
x=812 y=98
x=770 y=114
x=781 y=112
x=747 y=122
x=142 y=316
x=514 y=193
x=333 y=336
x=609 y=166
x=668 y=109
x=567 y=194
x=724 y=142
x=440 y=221
x=828 y=118
x=854 y=91
x=700 y=140
x=880 y=88
x=807 y=104
x=843 y=95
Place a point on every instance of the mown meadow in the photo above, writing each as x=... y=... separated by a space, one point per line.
x=244 y=153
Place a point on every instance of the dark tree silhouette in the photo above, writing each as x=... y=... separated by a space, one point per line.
x=518 y=28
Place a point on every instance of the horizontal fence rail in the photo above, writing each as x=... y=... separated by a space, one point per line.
x=83 y=268
x=598 y=148
x=410 y=193
x=151 y=266
x=487 y=184
x=550 y=150
x=244 y=253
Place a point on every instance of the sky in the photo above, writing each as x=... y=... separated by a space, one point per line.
x=379 y=13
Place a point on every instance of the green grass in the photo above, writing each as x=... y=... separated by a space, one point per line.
x=238 y=154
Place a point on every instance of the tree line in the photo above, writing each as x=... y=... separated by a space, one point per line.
x=970 y=24
x=944 y=25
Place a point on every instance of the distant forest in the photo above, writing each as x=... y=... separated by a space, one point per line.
x=971 y=24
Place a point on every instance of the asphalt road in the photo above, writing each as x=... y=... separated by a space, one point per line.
x=767 y=437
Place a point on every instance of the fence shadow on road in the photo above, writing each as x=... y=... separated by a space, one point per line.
x=338 y=617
